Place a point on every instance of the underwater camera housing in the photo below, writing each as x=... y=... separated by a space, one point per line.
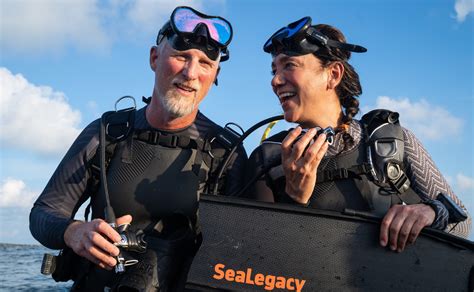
x=67 y=265
x=131 y=241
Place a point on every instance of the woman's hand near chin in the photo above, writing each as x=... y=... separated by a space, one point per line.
x=300 y=159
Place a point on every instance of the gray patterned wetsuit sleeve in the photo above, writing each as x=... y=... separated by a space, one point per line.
x=428 y=181
x=62 y=196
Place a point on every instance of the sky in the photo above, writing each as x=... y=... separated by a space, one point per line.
x=63 y=63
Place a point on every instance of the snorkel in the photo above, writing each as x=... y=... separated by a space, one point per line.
x=191 y=29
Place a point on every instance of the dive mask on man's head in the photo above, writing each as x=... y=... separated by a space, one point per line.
x=191 y=29
x=300 y=38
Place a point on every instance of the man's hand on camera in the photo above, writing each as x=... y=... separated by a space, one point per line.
x=94 y=240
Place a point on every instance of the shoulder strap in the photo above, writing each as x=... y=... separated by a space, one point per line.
x=118 y=126
x=375 y=118
x=220 y=142
x=227 y=137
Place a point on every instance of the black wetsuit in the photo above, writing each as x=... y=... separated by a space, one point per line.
x=134 y=188
x=426 y=180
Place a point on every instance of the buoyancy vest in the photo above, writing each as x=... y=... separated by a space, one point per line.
x=159 y=184
x=370 y=177
x=173 y=167
x=157 y=177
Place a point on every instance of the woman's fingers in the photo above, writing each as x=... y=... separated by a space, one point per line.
x=299 y=146
x=300 y=159
x=315 y=153
x=287 y=143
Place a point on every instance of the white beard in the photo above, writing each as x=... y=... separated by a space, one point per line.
x=177 y=105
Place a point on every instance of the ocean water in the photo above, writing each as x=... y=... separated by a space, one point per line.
x=20 y=267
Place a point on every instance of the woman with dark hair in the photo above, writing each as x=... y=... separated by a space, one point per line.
x=372 y=165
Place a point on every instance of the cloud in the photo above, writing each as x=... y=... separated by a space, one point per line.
x=463 y=8
x=150 y=15
x=14 y=193
x=39 y=26
x=51 y=26
x=427 y=121
x=464 y=182
x=35 y=118
x=449 y=179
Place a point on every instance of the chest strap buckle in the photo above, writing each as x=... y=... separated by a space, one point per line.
x=340 y=173
x=154 y=137
x=174 y=141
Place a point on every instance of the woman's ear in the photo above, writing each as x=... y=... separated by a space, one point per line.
x=335 y=73
x=153 y=57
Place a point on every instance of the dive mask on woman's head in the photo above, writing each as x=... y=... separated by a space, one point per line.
x=300 y=38
x=191 y=29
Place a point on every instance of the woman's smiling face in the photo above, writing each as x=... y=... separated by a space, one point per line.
x=301 y=84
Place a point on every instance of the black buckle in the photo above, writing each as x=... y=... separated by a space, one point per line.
x=327 y=176
x=154 y=137
x=95 y=170
x=341 y=173
x=401 y=184
x=174 y=141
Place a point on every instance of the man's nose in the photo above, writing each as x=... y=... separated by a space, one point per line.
x=191 y=70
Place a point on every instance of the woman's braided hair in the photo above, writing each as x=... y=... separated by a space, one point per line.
x=350 y=87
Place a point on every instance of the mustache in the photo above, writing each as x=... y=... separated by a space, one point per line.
x=191 y=85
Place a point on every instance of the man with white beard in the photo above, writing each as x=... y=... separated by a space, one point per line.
x=155 y=172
